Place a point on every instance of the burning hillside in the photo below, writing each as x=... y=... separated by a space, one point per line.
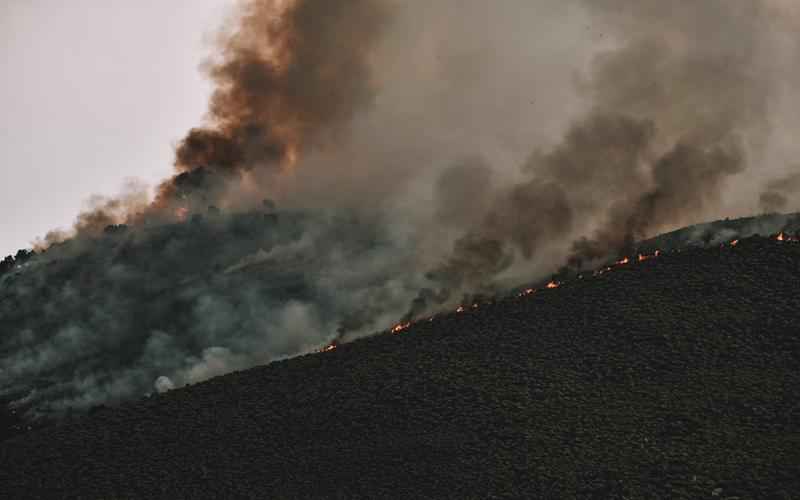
x=366 y=164
x=225 y=296
x=673 y=377
x=781 y=237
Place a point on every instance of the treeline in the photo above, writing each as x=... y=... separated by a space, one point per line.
x=12 y=261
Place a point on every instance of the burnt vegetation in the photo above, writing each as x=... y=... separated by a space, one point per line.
x=673 y=377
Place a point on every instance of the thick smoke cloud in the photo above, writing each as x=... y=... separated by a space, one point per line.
x=288 y=78
x=463 y=192
x=776 y=196
x=364 y=162
x=677 y=104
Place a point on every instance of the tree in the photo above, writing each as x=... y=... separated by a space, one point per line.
x=23 y=256
x=6 y=265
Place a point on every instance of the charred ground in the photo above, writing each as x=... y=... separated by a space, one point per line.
x=673 y=377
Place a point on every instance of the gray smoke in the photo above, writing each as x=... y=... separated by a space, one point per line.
x=778 y=193
x=680 y=107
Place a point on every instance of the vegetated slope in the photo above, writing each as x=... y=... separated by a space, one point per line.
x=675 y=377
x=722 y=231
x=98 y=319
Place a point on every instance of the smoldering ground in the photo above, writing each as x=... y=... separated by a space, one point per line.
x=417 y=152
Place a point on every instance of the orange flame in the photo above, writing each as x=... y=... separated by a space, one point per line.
x=552 y=284
x=643 y=256
x=400 y=327
x=328 y=347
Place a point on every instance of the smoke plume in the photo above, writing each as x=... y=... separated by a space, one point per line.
x=776 y=196
x=288 y=78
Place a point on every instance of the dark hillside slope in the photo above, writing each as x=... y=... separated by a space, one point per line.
x=676 y=377
x=724 y=230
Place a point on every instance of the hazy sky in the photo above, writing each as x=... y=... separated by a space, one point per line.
x=93 y=92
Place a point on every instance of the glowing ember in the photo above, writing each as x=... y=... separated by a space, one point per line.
x=329 y=347
x=601 y=271
x=641 y=257
x=400 y=327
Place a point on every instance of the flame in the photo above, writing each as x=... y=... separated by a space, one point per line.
x=400 y=327
x=552 y=284
x=643 y=256
x=181 y=213
x=784 y=237
x=328 y=347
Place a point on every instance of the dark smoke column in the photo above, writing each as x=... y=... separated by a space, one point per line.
x=289 y=77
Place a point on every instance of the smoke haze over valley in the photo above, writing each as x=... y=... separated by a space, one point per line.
x=364 y=162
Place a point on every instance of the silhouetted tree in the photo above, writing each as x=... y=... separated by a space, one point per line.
x=6 y=265
x=23 y=256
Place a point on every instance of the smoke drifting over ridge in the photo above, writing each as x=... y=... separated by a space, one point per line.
x=418 y=153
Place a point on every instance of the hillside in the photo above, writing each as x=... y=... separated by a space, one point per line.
x=98 y=319
x=675 y=377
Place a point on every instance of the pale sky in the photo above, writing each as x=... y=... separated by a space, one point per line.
x=93 y=92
